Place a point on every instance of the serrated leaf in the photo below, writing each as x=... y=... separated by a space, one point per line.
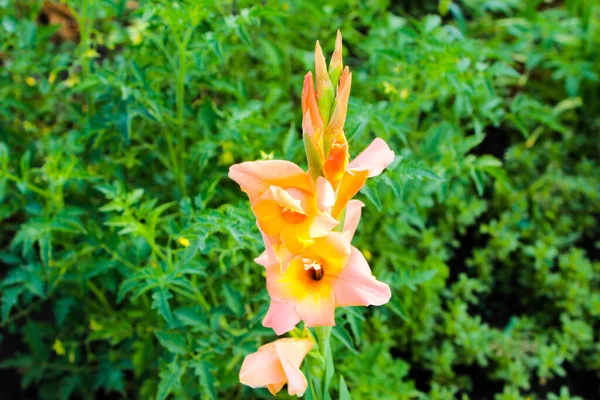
x=169 y=380
x=174 y=342
x=233 y=300
x=191 y=316
x=110 y=378
x=61 y=309
x=207 y=382
x=10 y=298
x=372 y=195
x=160 y=302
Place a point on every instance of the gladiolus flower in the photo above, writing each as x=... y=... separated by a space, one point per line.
x=276 y=364
x=371 y=162
x=291 y=211
x=330 y=273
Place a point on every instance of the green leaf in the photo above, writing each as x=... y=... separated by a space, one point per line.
x=160 y=302
x=192 y=316
x=233 y=300
x=62 y=307
x=10 y=298
x=169 y=380
x=344 y=393
x=110 y=378
x=343 y=336
x=207 y=382
x=372 y=195
x=174 y=342
x=475 y=175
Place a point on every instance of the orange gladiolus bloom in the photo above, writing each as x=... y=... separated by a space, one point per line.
x=291 y=210
x=276 y=364
x=330 y=273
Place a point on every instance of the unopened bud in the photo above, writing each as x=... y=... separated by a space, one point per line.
x=314 y=154
x=336 y=64
x=325 y=92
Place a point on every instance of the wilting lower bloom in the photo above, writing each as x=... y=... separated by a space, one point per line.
x=330 y=273
x=276 y=364
x=291 y=211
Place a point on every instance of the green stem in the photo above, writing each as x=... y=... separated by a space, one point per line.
x=323 y=336
x=99 y=295
x=85 y=23
x=180 y=106
x=28 y=185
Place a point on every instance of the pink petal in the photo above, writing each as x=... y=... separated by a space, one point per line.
x=375 y=158
x=263 y=259
x=255 y=176
x=356 y=286
x=282 y=317
x=269 y=256
x=317 y=309
x=353 y=212
x=291 y=353
x=325 y=195
x=262 y=368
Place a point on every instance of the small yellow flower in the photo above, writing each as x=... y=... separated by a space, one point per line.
x=404 y=94
x=91 y=53
x=388 y=88
x=28 y=126
x=266 y=156
x=367 y=254
x=30 y=80
x=95 y=326
x=183 y=241
x=58 y=347
x=72 y=81
x=226 y=158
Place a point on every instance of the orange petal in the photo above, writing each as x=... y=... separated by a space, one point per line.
x=338 y=117
x=350 y=184
x=309 y=102
x=336 y=163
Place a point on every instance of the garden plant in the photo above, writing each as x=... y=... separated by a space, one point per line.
x=180 y=201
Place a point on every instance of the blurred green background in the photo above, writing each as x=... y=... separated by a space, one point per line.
x=126 y=253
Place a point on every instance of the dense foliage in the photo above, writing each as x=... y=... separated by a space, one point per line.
x=127 y=254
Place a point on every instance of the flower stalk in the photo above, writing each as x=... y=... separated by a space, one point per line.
x=307 y=221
